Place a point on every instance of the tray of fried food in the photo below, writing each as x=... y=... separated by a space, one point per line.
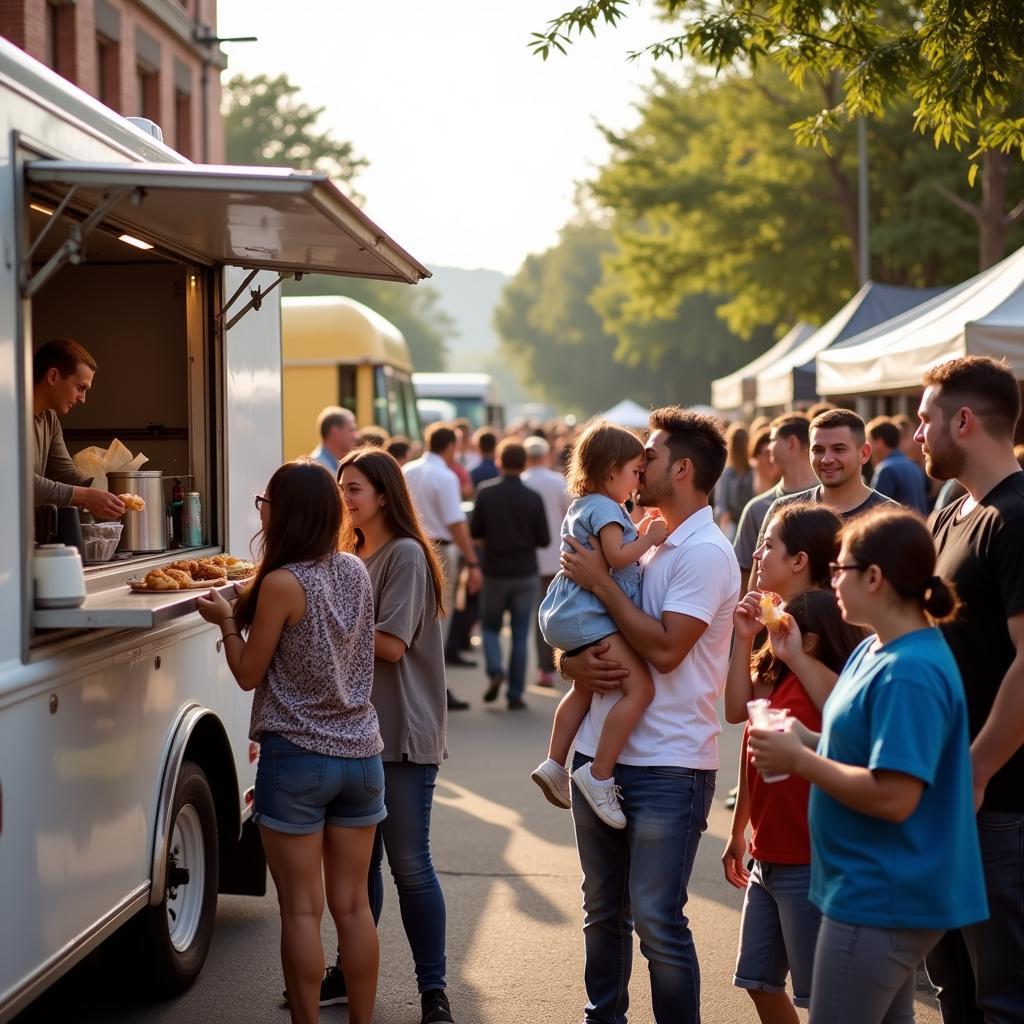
x=201 y=570
x=235 y=567
x=186 y=574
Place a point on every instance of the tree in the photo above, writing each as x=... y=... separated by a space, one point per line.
x=264 y=123
x=961 y=63
x=707 y=194
x=552 y=334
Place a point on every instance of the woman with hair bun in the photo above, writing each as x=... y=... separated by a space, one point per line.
x=891 y=807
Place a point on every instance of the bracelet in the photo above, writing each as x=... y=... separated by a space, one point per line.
x=225 y=636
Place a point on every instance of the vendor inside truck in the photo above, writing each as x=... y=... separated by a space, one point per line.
x=62 y=373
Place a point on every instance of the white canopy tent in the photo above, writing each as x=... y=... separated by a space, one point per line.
x=627 y=413
x=731 y=393
x=791 y=378
x=982 y=316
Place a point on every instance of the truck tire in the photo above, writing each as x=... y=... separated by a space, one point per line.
x=172 y=939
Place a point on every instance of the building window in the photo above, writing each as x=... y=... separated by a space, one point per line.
x=60 y=39
x=148 y=90
x=183 y=123
x=108 y=72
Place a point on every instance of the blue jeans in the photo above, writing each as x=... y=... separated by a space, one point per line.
x=405 y=836
x=518 y=596
x=979 y=970
x=637 y=877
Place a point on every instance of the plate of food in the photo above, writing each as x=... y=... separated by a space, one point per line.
x=194 y=574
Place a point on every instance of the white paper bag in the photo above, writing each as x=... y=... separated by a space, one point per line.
x=98 y=462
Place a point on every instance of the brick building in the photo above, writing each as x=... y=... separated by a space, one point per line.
x=142 y=58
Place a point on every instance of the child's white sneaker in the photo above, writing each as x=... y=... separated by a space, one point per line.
x=553 y=780
x=603 y=799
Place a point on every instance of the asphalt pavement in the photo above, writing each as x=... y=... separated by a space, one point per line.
x=511 y=880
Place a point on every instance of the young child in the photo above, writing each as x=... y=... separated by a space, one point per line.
x=603 y=473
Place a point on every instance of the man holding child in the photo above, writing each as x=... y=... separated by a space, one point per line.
x=637 y=877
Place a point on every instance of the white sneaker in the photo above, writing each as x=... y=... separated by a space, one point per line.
x=604 y=800
x=554 y=783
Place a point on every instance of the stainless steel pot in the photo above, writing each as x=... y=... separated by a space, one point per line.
x=146 y=530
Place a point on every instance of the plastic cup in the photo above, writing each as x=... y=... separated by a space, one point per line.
x=763 y=716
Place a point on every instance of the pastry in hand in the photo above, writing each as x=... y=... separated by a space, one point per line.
x=133 y=502
x=771 y=613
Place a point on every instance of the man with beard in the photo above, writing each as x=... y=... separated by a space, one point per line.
x=839 y=449
x=637 y=877
x=968 y=415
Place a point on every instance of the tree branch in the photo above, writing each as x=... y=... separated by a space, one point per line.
x=1015 y=215
x=961 y=204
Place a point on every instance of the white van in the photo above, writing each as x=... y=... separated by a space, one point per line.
x=126 y=773
x=474 y=396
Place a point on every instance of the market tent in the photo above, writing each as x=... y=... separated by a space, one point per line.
x=627 y=413
x=739 y=388
x=981 y=316
x=791 y=378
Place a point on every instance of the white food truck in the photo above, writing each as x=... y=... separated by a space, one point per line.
x=126 y=772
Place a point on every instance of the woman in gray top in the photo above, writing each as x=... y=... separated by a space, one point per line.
x=307 y=652
x=409 y=695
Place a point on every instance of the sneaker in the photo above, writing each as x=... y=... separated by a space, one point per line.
x=332 y=989
x=553 y=780
x=454 y=704
x=435 y=1007
x=494 y=687
x=516 y=704
x=604 y=800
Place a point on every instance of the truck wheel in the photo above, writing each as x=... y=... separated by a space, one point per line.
x=175 y=934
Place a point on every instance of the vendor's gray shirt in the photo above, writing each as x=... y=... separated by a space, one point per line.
x=408 y=694
x=55 y=472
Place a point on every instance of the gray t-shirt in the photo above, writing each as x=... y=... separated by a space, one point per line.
x=408 y=694
x=749 y=528
x=55 y=472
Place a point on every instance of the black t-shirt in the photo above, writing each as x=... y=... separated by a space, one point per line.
x=983 y=554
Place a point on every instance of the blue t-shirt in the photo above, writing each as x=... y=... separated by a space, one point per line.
x=899 y=708
x=902 y=480
x=571 y=617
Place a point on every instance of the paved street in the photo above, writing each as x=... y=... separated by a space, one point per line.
x=511 y=879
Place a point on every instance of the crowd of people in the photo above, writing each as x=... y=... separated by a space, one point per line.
x=785 y=567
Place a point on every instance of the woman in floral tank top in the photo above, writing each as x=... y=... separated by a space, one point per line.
x=307 y=652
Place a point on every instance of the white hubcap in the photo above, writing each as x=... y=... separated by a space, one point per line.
x=185 y=902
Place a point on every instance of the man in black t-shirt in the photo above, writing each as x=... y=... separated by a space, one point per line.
x=839 y=450
x=968 y=415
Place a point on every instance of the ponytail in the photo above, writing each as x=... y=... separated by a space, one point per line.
x=940 y=600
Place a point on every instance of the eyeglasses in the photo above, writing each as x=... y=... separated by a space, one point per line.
x=259 y=500
x=835 y=568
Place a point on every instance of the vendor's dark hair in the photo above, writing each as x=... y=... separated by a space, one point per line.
x=305 y=521
x=815 y=611
x=62 y=355
x=900 y=544
x=813 y=529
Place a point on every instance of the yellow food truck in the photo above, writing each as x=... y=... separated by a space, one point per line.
x=336 y=351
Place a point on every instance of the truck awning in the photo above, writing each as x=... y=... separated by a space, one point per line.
x=270 y=218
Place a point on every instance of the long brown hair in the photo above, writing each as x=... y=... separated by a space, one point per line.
x=815 y=611
x=305 y=519
x=385 y=477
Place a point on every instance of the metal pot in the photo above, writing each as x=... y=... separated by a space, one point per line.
x=144 y=531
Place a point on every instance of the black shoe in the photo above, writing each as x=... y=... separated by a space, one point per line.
x=491 y=694
x=435 y=1007
x=332 y=989
x=516 y=704
x=454 y=704
x=459 y=661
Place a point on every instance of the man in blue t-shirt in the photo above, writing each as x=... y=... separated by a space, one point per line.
x=895 y=475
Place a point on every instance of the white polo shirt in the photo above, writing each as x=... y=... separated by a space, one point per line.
x=694 y=572
x=552 y=488
x=435 y=494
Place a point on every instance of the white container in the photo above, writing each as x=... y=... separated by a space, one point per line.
x=763 y=716
x=58 y=577
x=100 y=540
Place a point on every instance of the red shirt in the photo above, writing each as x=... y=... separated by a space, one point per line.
x=778 y=810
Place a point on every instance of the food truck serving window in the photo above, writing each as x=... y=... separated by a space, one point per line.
x=125 y=259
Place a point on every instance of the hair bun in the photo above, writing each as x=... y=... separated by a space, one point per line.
x=940 y=600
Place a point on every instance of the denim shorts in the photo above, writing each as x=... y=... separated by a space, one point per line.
x=778 y=931
x=298 y=791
